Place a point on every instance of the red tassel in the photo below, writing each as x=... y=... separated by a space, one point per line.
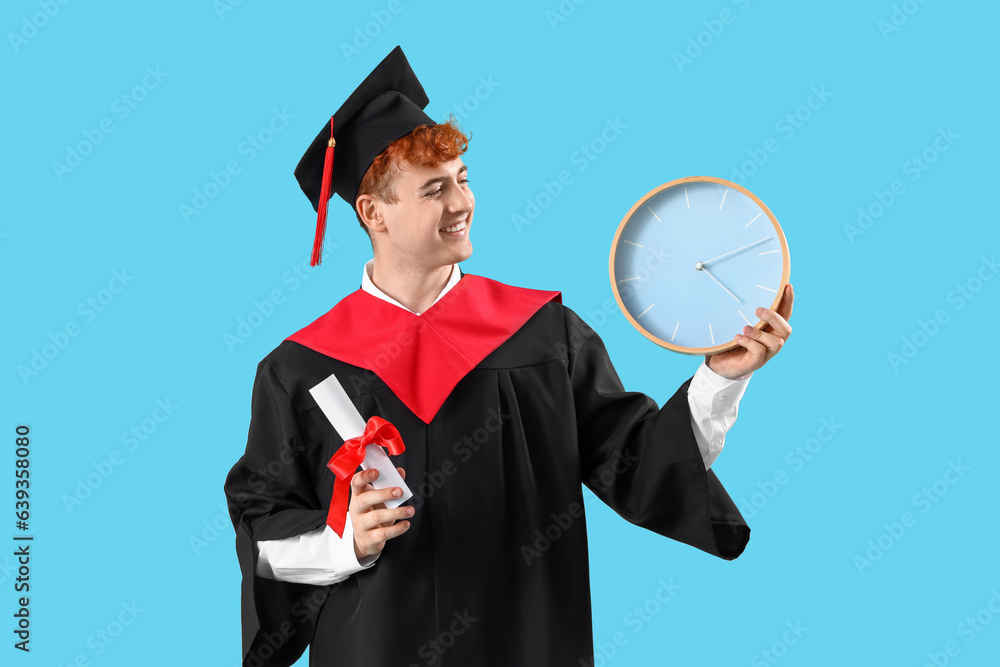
x=324 y=198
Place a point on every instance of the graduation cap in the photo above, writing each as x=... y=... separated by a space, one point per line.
x=386 y=106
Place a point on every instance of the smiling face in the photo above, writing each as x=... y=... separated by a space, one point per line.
x=410 y=233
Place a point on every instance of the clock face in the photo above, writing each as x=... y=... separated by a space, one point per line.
x=693 y=260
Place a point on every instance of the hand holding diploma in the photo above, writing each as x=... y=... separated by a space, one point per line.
x=376 y=492
x=374 y=524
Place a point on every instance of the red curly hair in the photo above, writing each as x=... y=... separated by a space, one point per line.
x=426 y=146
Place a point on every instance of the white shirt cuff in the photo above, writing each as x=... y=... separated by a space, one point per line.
x=714 y=402
x=317 y=557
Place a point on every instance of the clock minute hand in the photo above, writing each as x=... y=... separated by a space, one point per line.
x=701 y=267
x=737 y=250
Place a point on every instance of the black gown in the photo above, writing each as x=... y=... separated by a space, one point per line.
x=494 y=567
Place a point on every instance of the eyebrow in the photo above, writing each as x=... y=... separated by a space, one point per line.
x=442 y=179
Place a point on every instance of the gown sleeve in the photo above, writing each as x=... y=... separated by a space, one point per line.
x=644 y=461
x=271 y=495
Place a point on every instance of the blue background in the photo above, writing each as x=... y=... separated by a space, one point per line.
x=154 y=535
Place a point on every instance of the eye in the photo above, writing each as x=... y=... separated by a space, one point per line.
x=435 y=193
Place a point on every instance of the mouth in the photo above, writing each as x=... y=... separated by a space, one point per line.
x=455 y=230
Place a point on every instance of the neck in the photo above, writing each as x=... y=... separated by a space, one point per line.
x=414 y=287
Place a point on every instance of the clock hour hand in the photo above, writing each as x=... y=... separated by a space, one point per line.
x=731 y=252
x=701 y=267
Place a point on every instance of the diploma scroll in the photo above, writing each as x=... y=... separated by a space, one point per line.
x=338 y=408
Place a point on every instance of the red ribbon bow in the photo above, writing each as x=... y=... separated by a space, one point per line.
x=347 y=459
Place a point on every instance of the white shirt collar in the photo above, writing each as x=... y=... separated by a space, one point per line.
x=368 y=286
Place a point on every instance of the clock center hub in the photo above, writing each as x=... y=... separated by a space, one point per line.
x=699 y=265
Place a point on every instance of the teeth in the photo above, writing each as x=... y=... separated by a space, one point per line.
x=454 y=228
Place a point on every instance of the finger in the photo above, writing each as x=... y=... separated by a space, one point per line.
x=756 y=349
x=771 y=341
x=775 y=323
x=382 y=516
x=388 y=517
x=380 y=535
x=785 y=307
x=376 y=497
x=362 y=481
x=402 y=473
x=369 y=533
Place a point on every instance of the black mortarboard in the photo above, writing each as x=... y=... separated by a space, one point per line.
x=386 y=106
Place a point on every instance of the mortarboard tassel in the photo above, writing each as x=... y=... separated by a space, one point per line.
x=324 y=199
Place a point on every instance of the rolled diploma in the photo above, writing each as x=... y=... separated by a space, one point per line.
x=337 y=406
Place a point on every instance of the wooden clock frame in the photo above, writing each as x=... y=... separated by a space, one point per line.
x=785 y=258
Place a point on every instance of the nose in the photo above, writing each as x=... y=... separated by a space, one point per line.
x=460 y=199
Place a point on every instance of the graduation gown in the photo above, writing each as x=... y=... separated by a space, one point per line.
x=506 y=401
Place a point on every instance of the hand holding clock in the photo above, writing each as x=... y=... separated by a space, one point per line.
x=757 y=347
x=689 y=261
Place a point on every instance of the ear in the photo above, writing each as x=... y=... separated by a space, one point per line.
x=369 y=210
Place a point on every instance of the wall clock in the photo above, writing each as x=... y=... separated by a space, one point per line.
x=693 y=259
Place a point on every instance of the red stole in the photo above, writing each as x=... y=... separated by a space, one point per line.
x=422 y=357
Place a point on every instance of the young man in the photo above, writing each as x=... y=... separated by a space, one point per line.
x=506 y=401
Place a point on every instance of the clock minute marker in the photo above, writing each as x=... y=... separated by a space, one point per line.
x=768 y=252
x=635 y=244
x=768 y=289
x=710 y=333
x=625 y=280
x=723 y=199
x=675 y=331
x=654 y=213
x=643 y=312
x=743 y=316
x=754 y=218
x=688 y=203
